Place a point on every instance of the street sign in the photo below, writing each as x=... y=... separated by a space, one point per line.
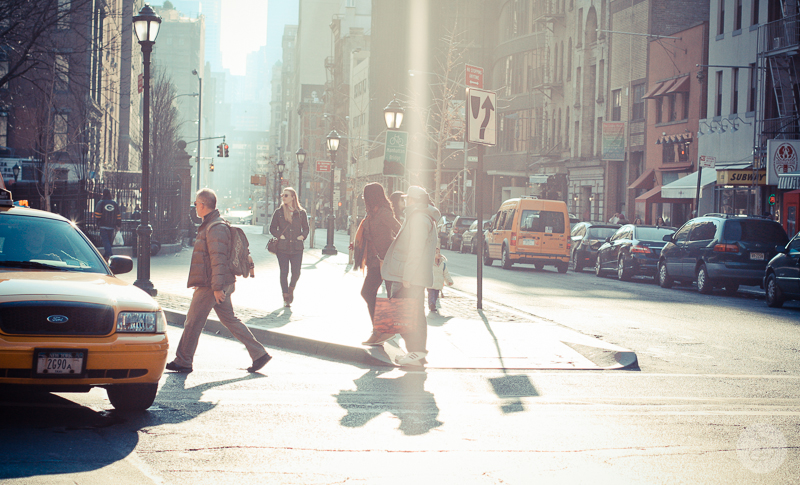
x=474 y=77
x=394 y=158
x=707 y=162
x=482 y=119
x=323 y=166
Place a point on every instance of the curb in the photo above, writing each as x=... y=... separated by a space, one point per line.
x=345 y=353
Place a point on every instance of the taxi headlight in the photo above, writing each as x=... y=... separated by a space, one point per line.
x=141 y=322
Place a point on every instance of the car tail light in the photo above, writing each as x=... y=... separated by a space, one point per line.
x=569 y=244
x=726 y=248
x=640 y=249
x=513 y=238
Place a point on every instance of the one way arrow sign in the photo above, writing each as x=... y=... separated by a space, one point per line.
x=482 y=110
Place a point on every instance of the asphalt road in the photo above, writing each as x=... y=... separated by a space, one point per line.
x=673 y=330
x=714 y=402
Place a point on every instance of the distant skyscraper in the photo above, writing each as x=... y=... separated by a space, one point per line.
x=212 y=10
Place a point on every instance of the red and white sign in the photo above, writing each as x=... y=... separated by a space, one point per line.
x=323 y=166
x=782 y=157
x=474 y=77
x=707 y=162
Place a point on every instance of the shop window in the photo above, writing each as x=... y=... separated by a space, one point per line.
x=637 y=112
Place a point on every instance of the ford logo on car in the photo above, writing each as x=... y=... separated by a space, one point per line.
x=57 y=319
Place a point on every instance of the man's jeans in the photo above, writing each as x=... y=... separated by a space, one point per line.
x=107 y=235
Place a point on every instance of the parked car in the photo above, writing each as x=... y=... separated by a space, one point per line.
x=632 y=251
x=719 y=250
x=573 y=219
x=782 y=276
x=529 y=230
x=460 y=225
x=67 y=323
x=443 y=228
x=587 y=237
x=469 y=243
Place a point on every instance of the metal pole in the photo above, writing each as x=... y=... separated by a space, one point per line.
x=479 y=209
x=697 y=193
x=329 y=247
x=199 y=122
x=144 y=231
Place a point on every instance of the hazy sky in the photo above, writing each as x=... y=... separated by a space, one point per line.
x=244 y=29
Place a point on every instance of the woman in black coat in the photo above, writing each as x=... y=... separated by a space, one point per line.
x=290 y=226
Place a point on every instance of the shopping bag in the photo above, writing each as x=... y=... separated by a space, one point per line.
x=118 y=241
x=396 y=315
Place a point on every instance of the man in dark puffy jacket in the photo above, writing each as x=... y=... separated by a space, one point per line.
x=213 y=284
x=108 y=218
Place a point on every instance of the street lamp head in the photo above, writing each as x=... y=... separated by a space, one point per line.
x=301 y=157
x=146 y=25
x=281 y=166
x=194 y=72
x=393 y=114
x=17 y=168
x=333 y=141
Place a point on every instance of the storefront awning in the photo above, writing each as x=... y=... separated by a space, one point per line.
x=789 y=181
x=538 y=178
x=686 y=187
x=651 y=94
x=681 y=85
x=676 y=167
x=652 y=195
x=645 y=181
x=734 y=166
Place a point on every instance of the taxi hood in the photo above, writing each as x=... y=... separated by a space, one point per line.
x=73 y=286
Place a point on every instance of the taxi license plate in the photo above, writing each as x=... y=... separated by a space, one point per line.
x=529 y=242
x=59 y=362
x=757 y=256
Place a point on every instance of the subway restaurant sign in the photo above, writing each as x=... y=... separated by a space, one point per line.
x=740 y=177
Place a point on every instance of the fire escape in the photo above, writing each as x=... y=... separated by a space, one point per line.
x=779 y=42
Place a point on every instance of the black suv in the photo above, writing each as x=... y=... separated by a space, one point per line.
x=460 y=226
x=782 y=277
x=720 y=250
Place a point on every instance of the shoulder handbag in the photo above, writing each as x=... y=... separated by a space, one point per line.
x=272 y=244
x=396 y=315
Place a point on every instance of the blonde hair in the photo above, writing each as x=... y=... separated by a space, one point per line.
x=288 y=211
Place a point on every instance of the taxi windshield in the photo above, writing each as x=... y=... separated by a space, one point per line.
x=40 y=243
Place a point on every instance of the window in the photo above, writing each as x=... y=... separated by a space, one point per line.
x=718 y=108
x=683 y=233
x=672 y=104
x=751 y=96
x=659 y=109
x=616 y=105
x=735 y=93
x=578 y=86
x=686 y=105
x=61 y=72
x=756 y=8
x=509 y=220
x=60 y=132
x=3 y=130
x=737 y=16
x=580 y=28
x=64 y=7
x=542 y=221
x=637 y=112
x=721 y=18
x=703 y=231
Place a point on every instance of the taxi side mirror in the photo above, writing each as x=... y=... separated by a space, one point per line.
x=667 y=238
x=120 y=264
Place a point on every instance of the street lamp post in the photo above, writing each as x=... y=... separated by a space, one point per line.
x=199 y=120
x=301 y=158
x=278 y=177
x=146 y=26
x=333 y=146
x=393 y=116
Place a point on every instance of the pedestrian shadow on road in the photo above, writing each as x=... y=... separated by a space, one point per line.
x=404 y=396
x=436 y=319
x=191 y=404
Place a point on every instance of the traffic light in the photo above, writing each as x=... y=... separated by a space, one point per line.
x=211 y=167
x=772 y=199
x=225 y=145
x=220 y=151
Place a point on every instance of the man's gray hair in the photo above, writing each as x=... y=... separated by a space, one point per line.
x=208 y=197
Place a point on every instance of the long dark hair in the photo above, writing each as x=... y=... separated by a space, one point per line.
x=375 y=198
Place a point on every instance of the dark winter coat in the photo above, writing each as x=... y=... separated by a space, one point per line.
x=298 y=227
x=107 y=214
x=380 y=230
x=209 y=267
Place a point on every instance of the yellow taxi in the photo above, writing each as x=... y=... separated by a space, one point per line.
x=67 y=323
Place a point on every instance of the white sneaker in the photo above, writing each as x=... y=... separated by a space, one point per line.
x=411 y=358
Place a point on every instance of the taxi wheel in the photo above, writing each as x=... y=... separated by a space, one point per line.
x=506 y=261
x=132 y=397
x=487 y=261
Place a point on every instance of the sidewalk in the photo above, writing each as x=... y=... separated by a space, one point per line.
x=329 y=318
